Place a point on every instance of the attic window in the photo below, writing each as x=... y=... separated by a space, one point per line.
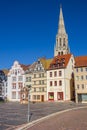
x=38 y=61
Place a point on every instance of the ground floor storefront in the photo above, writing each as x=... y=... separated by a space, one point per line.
x=82 y=97
x=58 y=96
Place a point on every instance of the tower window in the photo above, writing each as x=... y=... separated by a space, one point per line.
x=63 y=40
x=60 y=41
x=62 y=53
x=59 y=53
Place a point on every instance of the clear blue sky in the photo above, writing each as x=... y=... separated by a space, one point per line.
x=28 y=29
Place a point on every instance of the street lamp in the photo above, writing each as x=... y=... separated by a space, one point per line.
x=29 y=88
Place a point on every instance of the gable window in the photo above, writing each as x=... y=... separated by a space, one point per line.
x=50 y=74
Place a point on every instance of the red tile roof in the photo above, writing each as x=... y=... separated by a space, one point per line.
x=25 y=67
x=81 y=61
x=60 y=61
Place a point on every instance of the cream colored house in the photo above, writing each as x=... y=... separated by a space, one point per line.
x=60 y=84
x=39 y=81
x=80 y=77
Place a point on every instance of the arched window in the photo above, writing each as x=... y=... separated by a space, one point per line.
x=59 y=53
x=62 y=53
x=60 y=41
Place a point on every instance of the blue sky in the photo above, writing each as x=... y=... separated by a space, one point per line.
x=28 y=29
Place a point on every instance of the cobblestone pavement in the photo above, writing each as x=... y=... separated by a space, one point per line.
x=71 y=120
x=13 y=115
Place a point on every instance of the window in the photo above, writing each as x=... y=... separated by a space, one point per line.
x=34 y=82
x=39 y=75
x=42 y=81
x=13 y=95
x=34 y=89
x=50 y=83
x=20 y=78
x=13 y=79
x=28 y=79
x=82 y=86
x=39 y=89
x=50 y=74
x=76 y=69
x=34 y=75
x=55 y=73
x=14 y=86
x=85 y=69
x=38 y=97
x=15 y=72
x=42 y=74
x=60 y=83
x=77 y=77
x=81 y=69
x=39 y=81
x=77 y=86
x=55 y=83
x=63 y=41
x=86 y=77
x=59 y=53
x=82 y=77
x=60 y=73
x=62 y=53
x=34 y=97
x=20 y=85
x=60 y=41
x=42 y=89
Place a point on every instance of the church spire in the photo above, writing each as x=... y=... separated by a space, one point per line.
x=61 y=26
x=61 y=47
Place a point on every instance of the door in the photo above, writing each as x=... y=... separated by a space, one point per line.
x=42 y=98
x=60 y=95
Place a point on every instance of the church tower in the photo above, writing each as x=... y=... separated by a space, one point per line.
x=61 y=47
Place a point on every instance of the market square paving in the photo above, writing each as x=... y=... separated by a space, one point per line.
x=14 y=115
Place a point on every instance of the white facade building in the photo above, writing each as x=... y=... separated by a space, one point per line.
x=60 y=85
x=16 y=81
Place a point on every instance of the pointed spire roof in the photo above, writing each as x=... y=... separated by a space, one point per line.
x=61 y=26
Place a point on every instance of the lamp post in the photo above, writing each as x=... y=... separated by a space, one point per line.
x=29 y=88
